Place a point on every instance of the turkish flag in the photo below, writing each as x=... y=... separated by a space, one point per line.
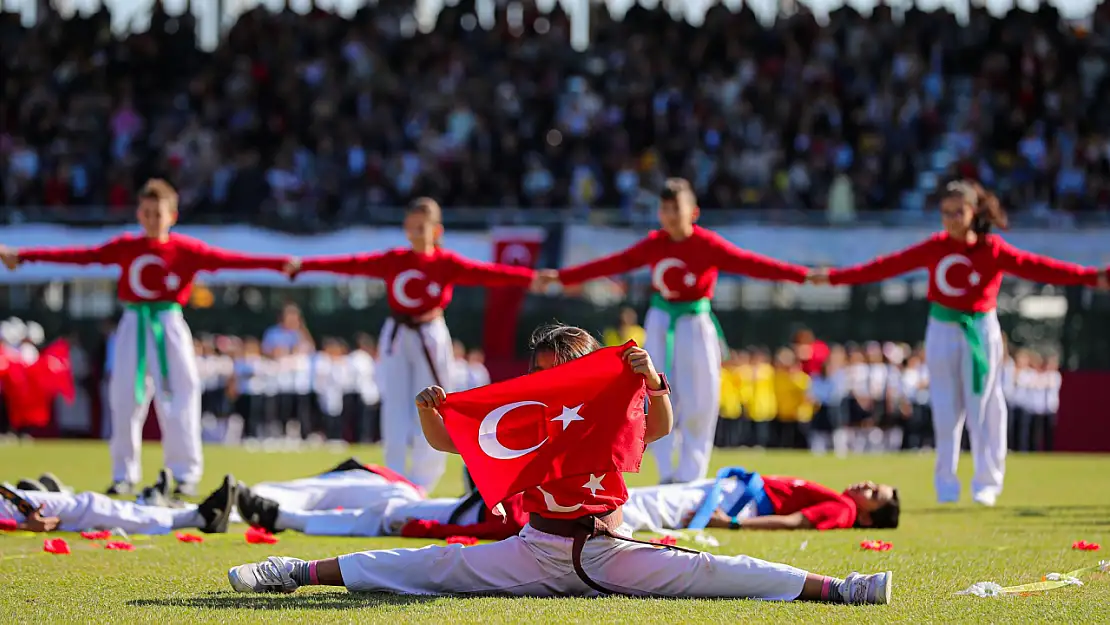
x=583 y=417
x=511 y=246
x=30 y=389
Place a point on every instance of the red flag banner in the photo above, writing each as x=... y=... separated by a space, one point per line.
x=518 y=246
x=30 y=389
x=582 y=417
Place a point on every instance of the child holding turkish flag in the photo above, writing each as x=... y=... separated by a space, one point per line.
x=562 y=436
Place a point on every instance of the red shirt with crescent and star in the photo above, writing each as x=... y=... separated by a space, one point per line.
x=822 y=506
x=153 y=270
x=686 y=270
x=417 y=283
x=967 y=277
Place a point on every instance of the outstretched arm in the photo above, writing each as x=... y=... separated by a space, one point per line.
x=621 y=262
x=473 y=273
x=494 y=528
x=104 y=254
x=720 y=520
x=373 y=265
x=884 y=267
x=731 y=259
x=1039 y=268
x=211 y=258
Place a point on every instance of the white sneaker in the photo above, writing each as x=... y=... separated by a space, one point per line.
x=875 y=588
x=270 y=575
x=985 y=499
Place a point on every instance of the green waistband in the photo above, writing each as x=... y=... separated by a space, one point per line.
x=980 y=364
x=676 y=311
x=149 y=320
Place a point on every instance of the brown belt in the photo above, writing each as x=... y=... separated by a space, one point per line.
x=415 y=322
x=584 y=528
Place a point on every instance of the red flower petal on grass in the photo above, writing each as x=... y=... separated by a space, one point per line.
x=101 y=535
x=1083 y=545
x=189 y=538
x=119 y=545
x=665 y=540
x=8 y=525
x=259 y=536
x=56 y=545
x=876 y=545
x=462 y=540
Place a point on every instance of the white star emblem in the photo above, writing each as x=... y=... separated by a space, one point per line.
x=973 y=278
x=689 y=279
x=594 y=484
x=433 y=289
x=172 y=282
x=569 y=415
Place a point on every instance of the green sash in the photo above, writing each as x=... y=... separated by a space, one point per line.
x=150 y=320
x=980 y=365
x=675 y=311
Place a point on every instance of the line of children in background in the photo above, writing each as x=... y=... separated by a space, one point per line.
x=868 y=398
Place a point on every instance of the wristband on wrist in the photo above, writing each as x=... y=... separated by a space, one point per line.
x=734 y=524
x=664 y=387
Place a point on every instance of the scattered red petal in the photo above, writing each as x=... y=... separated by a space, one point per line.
x=665 y=540
x=462 y=540
x=56 y=545
x=259 y=536
x=8 y=525
x=189 y=538
x=1083 y=545
x=119 y=545
x=101 y=535
x=876 y=545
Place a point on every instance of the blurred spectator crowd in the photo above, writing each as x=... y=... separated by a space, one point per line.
x=307 y=121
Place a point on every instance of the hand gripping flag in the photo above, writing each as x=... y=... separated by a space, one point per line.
x=583 y=417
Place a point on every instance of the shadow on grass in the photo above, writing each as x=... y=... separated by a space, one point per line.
x=341 y=600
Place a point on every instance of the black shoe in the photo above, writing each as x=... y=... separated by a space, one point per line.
x=185 y=489
x=216 y=509
x=257 y=510
x=30 y=485
x=162 y=485
x=350 y=464
x=120 y=488
x=53 y=484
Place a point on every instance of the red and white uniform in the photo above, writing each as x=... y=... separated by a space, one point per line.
x=822 y=506
x=158 y=274
x=685 y=272
x=418 y=285
x=965 y=279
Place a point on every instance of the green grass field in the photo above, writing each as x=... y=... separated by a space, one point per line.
x=1050 y=502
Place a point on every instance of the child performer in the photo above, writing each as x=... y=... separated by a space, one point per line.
x=152 y=339
x=963 y=341
x=415 y=343
x=681 y=329
x=544 y=560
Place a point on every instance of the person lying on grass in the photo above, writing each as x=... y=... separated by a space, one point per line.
x=559 y=554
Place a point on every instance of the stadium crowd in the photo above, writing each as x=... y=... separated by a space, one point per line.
x=304 y=121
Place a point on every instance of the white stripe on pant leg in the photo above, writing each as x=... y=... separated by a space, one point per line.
x=428 y=464
x=698 y=384
x=397 y=402
x=179 y=409
x=986 y=416
x=655 y=342
x=127 y=415
x=945 y=355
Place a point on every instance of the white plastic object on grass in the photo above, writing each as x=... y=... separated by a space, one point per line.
x=984 y=589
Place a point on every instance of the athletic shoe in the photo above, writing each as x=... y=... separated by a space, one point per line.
x=350 y=464
x=162 y=484
x=257 y=510
x=216 y=509
x=151 y=496
x=30 y=485
x=985 y=499
x=120 y=488
x=875 y=588
x=270 y=575
x=53 y=484
x=185 y=489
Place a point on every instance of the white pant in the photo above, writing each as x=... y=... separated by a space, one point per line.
x=178 y=411
x=665 y=507
x=404 y=373
x=342 y=489
x=93 y=511
x=949 y=360
x=695 y=377
x=538 y=564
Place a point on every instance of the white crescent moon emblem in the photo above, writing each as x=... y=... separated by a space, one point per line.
x=553 y=505
x=941 y=277
x=399 y=283
x=515 y=253
x=487 y=433
x=657 y=275
x=135 y=275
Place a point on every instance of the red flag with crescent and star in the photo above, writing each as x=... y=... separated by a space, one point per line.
x=562 y=436
x=30 y=389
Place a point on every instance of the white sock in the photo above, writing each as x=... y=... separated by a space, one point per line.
x=288 y=520
x=186 y=518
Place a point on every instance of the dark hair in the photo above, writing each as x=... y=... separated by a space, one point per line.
x=886 y=517
x=988 y=209
x=427 y=207
x=566 y=342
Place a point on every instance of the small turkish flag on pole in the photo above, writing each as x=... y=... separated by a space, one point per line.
x=583 y=417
